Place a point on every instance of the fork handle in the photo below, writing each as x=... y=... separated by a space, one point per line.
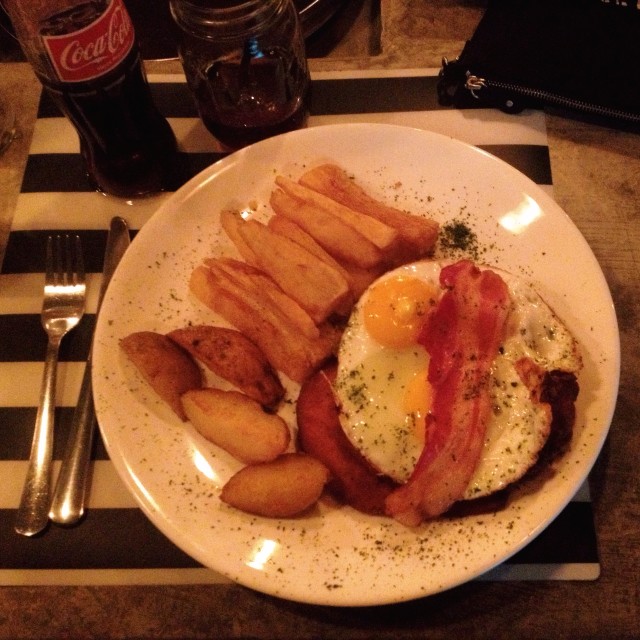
x=69 y=497
x=33 y=513
x=67 y=506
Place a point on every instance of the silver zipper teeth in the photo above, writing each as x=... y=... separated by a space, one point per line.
x=475 y=83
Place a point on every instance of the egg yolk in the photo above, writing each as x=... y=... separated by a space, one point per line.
x=417 y=402
x=395 y=310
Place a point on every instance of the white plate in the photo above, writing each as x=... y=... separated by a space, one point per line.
x=336 y=556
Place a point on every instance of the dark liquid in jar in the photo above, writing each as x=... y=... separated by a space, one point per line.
x=128 y=146
x=252 y=99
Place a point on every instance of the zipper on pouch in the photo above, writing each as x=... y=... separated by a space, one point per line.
x=506 y=94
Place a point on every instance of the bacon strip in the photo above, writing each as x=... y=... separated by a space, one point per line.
x=462 y=336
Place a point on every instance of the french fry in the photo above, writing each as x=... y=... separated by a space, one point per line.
x=289 y=229
x=231 y=222
x=167 y=367
x=261 y=286
x=286 y=227
x=361 y=278
x=336 y=237
x=314 y=285
x=235 y=358
x=256 y=321
x=284 y=346
x=283 y=488
x=378 y=233
x=316 y=341
x=327 y=242
x=419 y=234
x=281 y=311
x=237 y=424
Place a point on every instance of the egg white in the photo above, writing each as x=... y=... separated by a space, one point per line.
x=372 y=379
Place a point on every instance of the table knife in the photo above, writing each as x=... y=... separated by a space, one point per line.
x=67 y=506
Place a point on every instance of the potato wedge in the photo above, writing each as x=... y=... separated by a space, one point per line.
x=167 y=367
x=236 y=423
x=232 y=356
x=419 y=234
x=283 y=488
x=336 y=237
x=316 y=286
x=378 y=233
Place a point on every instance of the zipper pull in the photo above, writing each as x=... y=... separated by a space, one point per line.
x=474 y=83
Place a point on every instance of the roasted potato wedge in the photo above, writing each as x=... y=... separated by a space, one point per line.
x=232 y=356
x=283 y=488
x=167 y=367
x=418 y=234
x=316 y=286
x=237 y=424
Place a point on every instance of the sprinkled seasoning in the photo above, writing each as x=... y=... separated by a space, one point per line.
x=382 y=555
x=457 y=236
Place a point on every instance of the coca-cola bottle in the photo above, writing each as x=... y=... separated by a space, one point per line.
x=86 y=55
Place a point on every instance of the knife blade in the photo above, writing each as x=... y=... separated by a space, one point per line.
x=68 y=504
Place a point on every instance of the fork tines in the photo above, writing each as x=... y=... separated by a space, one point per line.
x=64 y=264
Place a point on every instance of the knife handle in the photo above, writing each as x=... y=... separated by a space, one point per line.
x=68 y=502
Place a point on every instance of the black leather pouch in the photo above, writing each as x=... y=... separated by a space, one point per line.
x=578 y=56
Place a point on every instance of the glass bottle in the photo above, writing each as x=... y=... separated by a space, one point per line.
x=245 y=64
x=85 y=54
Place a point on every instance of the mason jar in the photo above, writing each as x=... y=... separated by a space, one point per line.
x=246 y=67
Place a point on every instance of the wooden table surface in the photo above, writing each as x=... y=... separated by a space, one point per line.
x=596 y=176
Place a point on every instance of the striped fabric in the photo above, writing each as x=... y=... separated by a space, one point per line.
x=116 y=544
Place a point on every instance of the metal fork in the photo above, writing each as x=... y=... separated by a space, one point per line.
x=62 y=308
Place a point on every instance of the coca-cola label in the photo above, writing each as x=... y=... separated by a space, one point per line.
x=94 y=50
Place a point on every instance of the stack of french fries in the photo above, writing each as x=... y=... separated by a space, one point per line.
x=300 y=274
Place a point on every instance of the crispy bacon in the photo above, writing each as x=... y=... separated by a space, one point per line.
x=462 y=336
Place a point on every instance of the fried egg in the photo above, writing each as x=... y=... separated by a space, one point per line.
x=383 y=391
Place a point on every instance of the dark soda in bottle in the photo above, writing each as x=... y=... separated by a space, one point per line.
x=86 y=56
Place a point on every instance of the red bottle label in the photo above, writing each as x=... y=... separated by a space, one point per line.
x=94 y=50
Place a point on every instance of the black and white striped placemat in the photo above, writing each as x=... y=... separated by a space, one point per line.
x=116 y=544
